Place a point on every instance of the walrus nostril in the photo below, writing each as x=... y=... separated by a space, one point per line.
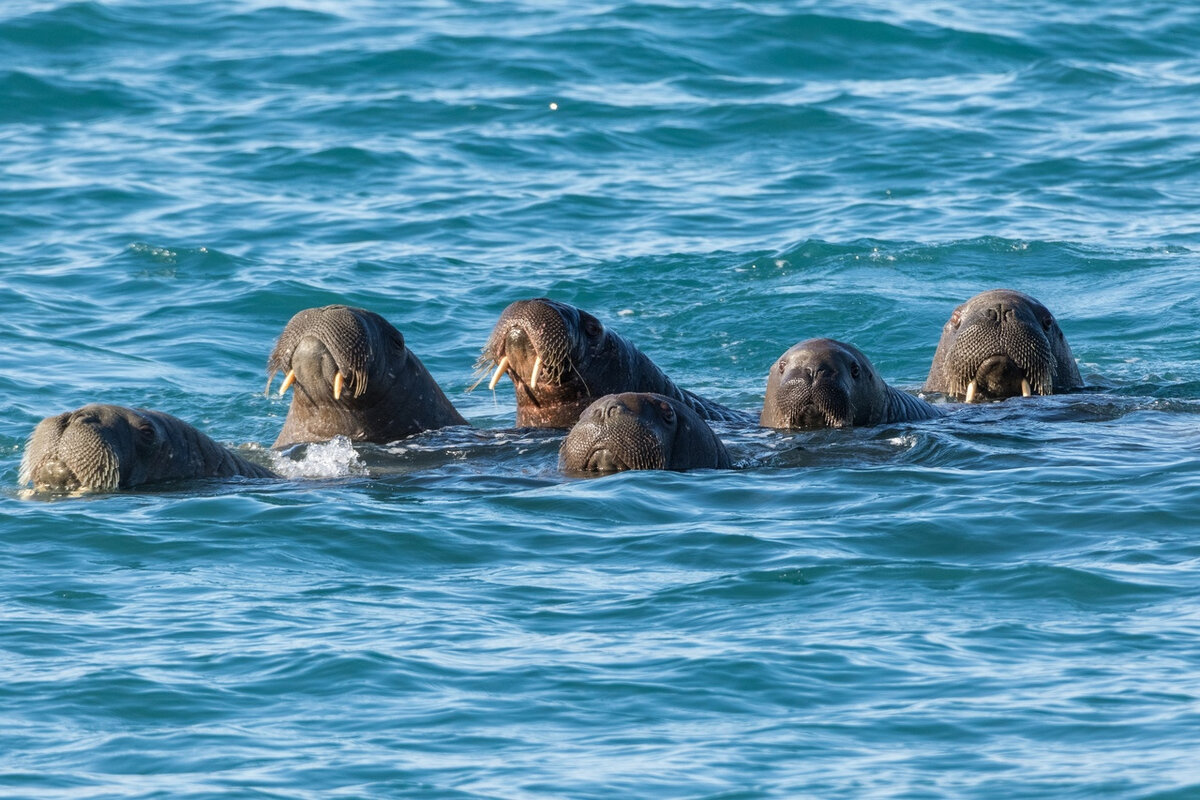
x=611 y=409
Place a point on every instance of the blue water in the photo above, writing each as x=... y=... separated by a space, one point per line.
x=1000 y=604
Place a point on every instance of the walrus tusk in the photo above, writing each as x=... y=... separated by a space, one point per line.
x=287 y=382
x=338 y=380
x=498 y=374
x=537 y=367
x=971 y=392
x=1025 y=390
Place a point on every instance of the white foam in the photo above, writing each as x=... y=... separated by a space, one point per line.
x=333 y=459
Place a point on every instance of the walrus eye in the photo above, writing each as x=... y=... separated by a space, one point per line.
x=782 y=366
x=955 y=318
x=854 y=370
x=1047 y=323
x=668 y=413
x=145 y=434
x=592 y=327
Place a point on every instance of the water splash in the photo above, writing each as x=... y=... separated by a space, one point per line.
x=333 y=459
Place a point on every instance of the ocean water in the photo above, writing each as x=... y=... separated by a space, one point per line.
x=999 y=604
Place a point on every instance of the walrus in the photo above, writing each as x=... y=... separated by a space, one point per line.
x=353 y=376
x=998 y=344
x=562 y=359
x=102 y=448
x=640 y=430
x=824 y=383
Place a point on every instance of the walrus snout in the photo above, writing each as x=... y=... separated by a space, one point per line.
x=812 y=401
x=314 y=366
x=1000 y=376
x=603 y=460
x=1001 y=354
x=522 y=355
x=54 y=474
x=70 y=452
x=336 y=346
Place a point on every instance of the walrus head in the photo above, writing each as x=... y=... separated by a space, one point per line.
x=560 y=358
x=355 y=377
x=998 y=344
x=640 y=430
x=102 y=448
x=823 y=383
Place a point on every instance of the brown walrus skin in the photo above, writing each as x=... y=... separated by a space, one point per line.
x=354 y=376
x=640 y=430
x=561 y=359
x=999 y=344
x=824 y=383
x=102 y=448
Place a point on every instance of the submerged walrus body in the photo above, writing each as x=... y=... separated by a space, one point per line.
x=824 y=383
x=102 y=448
x=640 y=430
x=561 y=359
x=999 y=344
x=354 y=376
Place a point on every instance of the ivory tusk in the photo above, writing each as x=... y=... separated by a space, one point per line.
x=971 y=392
x=498 y=374
x=338 y=380
x=287 y=382
x=1025 y=390
x=537 y=367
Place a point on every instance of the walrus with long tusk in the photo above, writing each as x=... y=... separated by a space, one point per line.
x=824 y=383
x=561 y=359
x=999 y=344
x=102 y=448
x=640 y=430
x=352 y=375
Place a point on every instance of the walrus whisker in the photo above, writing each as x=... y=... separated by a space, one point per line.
x=472 y=387
x=288 y=380
x=587 y=389
x=498 y=374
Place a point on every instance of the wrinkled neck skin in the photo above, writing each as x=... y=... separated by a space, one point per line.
x=1001 y=344
x=401 y=399
x=903 y=407
x=637 y=431
x=184 y=452
x=105 y=448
